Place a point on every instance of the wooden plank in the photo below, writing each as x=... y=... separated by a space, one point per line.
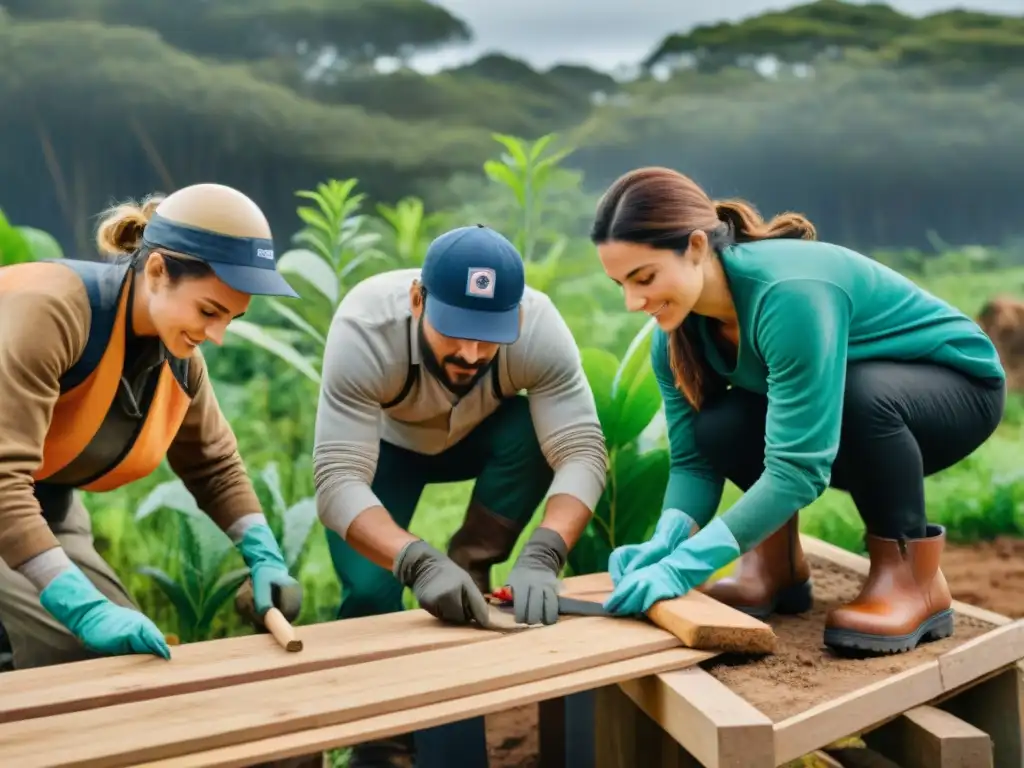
x=982 y=655
x=856 y=711
x=718 y=727
x=626 y=737
x=996 y=706
x=698 y=620
x=404 y=721
x=928 y=737
x=192 y=722
x=218 y=663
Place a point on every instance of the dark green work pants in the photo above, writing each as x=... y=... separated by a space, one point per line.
x=512 y=477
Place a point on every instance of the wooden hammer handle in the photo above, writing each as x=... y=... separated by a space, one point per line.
x=282 y=631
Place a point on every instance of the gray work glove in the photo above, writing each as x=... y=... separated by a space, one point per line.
x=442 y=588
x=534 y=578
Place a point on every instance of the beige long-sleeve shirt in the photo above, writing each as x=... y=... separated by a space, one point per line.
x=366 y=363
x=43 y=330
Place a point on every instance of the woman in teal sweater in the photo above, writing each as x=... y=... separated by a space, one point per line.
x=788 y=365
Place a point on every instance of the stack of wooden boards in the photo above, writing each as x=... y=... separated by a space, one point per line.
x=240 y=701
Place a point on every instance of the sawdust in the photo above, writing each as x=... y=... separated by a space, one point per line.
x=803 y=672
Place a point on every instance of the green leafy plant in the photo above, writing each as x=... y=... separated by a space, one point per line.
x=292 y=524
x=527 y=170
x=332 y=247
x=204 y=583
x=408 y=230
x=21 y=244
x=627 y=397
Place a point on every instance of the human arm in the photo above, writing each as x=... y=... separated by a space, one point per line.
x=204 y=454
x=355 y=378
x=43 y=331
x=801 y=330
x=548 y=366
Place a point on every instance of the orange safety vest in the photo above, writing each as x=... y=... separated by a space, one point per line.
x=88 y=388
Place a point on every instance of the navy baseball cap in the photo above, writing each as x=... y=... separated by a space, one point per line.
x=246 y=264
x=475 y=281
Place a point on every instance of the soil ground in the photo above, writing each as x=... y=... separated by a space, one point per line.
x=987 y=574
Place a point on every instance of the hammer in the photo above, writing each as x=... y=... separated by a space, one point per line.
x=279 y=627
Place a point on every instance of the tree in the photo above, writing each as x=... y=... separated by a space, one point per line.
x=94 y=113
x=304 y=30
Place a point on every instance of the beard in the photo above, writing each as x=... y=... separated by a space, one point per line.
x=436 y=369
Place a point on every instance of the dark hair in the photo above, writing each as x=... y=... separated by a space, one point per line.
x=661 y=208
x=120 y=234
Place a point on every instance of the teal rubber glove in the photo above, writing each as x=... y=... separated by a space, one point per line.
x=272 y=585
x=673 y=529
x=689 y=565
x=101 y=625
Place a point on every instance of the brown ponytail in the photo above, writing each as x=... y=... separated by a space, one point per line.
x=748 y=226
x=120 y=231
x=661 y=207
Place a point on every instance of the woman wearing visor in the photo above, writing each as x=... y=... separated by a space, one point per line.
x=102 y=378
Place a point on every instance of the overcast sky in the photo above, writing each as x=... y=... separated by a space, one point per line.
x=607 y=33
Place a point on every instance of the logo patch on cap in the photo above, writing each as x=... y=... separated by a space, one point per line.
x=480 y=282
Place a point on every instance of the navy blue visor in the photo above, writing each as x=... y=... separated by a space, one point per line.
x=244 y=263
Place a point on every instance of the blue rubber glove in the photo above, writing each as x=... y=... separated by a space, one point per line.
x=101 y=625
x=689 y=565
x=272 y=585
x=673 y=529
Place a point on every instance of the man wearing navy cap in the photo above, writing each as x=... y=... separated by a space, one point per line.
x=422 y=377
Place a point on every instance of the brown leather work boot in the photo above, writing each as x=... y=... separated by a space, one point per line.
x=773 y=577
x=904 y=601
x=483 y=540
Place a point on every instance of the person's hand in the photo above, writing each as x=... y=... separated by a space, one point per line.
x=442 y=588
x=272 y=585
x=687 y=566
x=673 y=529
x=99 y=624
x=534 y=578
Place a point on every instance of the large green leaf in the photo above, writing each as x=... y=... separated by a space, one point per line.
x=178 y=597
x=14 y=249
x=599 y=366
x=170 y=495
x=42 y=245
x=640 y=480
x=590 y=554
x=299 y=520
x=222 y=591
x=637 y=355
x=262 y=338
x=313 y=269
x=639 y=405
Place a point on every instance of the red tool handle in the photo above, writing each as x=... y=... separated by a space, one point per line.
x=503 y=593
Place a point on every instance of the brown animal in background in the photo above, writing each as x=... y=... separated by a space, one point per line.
x=1002 y=318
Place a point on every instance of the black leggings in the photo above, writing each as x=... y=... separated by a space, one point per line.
x=901 y=423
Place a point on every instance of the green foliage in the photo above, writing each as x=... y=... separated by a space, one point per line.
x=21 y=244
x=356 y=30
x=627 y=397
x=816 y=30
x=205 y=585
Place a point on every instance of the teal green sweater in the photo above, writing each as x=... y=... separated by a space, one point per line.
x=806 y=309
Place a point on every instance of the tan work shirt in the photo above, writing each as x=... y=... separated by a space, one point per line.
x=43 y=331
x=365 y=366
